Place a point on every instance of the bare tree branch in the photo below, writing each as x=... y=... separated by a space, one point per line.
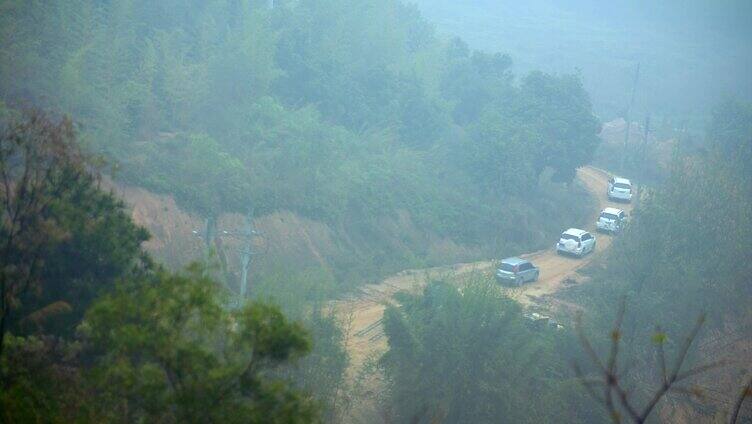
x=610 y=378
x=675 y=373
x=745 y=393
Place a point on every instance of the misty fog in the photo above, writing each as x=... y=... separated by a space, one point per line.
x=375 y=211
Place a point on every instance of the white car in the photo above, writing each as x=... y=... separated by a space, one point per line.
x=575 y=242
x=619 y=189
x=611 y=220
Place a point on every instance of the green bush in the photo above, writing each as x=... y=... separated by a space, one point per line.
x=468 y=354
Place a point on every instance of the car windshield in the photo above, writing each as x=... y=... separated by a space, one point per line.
x=609 y=216
x=507 y=267
x=566 y=236
x=622 y=185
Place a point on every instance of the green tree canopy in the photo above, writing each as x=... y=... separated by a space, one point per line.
x=468 y=355
x=167 y=349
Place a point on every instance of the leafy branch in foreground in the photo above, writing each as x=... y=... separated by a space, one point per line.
x=165 y=349
x=615 y=397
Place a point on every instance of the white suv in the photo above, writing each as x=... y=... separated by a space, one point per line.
x=575 y=242
x=619 y=189
x=611 y=220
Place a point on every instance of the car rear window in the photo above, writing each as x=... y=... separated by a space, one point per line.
x=622 y=185
x=569 y=237
x=507 y=267
x=609 y=216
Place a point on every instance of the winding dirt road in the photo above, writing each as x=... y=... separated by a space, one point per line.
x=364 y=311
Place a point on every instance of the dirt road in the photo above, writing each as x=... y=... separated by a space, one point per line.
x=364 y=311
x=555 y=268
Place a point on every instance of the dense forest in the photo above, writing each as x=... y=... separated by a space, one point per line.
x=230 y=106
x=412 y=150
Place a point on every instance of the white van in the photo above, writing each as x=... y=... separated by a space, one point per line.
x=575 y=242
x=611 y=220
x=619 y=189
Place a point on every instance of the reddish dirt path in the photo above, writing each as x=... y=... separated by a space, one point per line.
x=363 y=312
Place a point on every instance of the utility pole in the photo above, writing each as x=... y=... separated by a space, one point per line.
x=628 y=118
x=246 y=235
x=247 y=253
x=644 y=145
x=210 y=226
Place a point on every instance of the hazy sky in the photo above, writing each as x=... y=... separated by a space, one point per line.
x=692 y=53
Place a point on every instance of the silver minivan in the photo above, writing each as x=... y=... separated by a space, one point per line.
x=516 y=271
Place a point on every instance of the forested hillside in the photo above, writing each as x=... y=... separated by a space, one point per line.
x=686 y=254
x=363 y=144
x=462 y=351
x=342 y=113
x=92 y=330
